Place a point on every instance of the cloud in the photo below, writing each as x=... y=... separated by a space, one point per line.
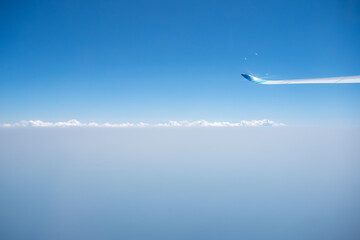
x=203 y=123
x=200 y=123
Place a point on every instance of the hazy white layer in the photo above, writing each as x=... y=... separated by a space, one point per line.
x=200 y=123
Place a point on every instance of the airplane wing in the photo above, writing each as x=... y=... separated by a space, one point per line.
x=350 y=79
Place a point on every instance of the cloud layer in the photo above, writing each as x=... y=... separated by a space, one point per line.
x=200 y=123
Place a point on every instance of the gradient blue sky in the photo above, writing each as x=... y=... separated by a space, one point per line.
x=178 y=60
x=155 y=61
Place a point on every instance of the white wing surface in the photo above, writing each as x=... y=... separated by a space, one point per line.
x=350 y=79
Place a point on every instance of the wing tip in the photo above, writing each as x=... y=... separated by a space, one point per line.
x=252 y=78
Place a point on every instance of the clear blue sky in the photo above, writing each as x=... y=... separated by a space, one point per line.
x=156 y=61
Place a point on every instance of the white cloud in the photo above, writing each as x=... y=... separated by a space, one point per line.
x=199 y=123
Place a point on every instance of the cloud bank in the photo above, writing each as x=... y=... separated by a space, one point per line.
x=200 y=123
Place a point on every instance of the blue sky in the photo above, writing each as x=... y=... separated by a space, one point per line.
x=126 y=62
x=156 y=61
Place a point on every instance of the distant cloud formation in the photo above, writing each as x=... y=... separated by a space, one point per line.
x=200 y=123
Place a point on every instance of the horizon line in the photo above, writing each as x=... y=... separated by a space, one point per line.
x=199 y=123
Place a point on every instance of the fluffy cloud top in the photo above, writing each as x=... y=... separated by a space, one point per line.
x=200 y=123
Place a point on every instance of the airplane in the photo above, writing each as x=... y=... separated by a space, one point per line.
x=350 y=79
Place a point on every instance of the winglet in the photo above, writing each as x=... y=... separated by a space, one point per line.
x=253 y=79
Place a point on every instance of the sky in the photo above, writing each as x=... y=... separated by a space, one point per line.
x=131 y=120
x=156 y=61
